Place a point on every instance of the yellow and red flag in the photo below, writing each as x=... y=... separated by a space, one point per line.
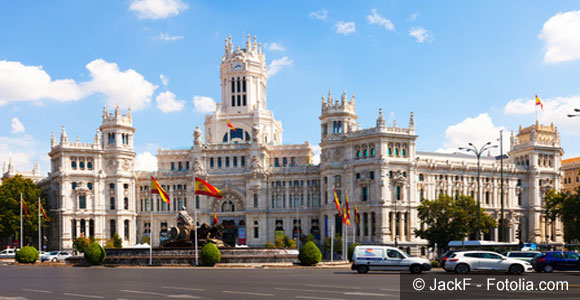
x=343 y=215
x=355 y=213
x=337 y=203
x=157 y=189
x=44 y=212
x=347 y=211
x=539 y=102
x=215 y=219
x=25 y=209
x=231 y=126
x=204 y=188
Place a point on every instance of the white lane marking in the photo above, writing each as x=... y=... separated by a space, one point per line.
x=367 y=294
x=141 y=292
x=183 y=288
x=346 y=293
x=37 y=291
x=335 y=286
x=303 y=290
x=12 y=298
x=248 y=293
x=84 y=296
x=317 y=298
x=183 y=296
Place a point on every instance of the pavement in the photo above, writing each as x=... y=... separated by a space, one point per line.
x=51 y=281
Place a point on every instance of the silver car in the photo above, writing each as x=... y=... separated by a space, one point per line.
x=522 y=255
x=464 y=262
x=55 y=256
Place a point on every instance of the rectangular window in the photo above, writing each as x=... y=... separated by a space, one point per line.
x=239 y=101
x=112 y=203
x=233 y=85
x=235 y=161
x=82 y=202
x=276 y=162
x=172 y=166
x=211 y=162
x=285 y=161
x=372 y=175
x=243 y=161
x=219 y=162
x=244 y=86
x=187 y=165
x=238 y=89
x=233 y=101
x=180 y=166
x=227 y=161
x=244 y=100
x=292 y=161
x=365 y=193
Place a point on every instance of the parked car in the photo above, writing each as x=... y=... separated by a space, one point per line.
x=55 y=256
x=556 y=260
x=446 y=255
x=384 y=258
x=8 y=253
x=467 y=261
x=42 y=254
x=522 y=255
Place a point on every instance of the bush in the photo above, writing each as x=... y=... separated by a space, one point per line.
x=279 y=243
x=351 y=250
x=309 y=254
x=27 y=255
x=81 y=243
x=434 y=264
x=289 y=243
x=210 y=254
x=337 y=244
x=95 y=254
x=269 y=245
x=145 y=239
x=114 y=243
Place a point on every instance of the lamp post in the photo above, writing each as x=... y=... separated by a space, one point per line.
x=396 y=179
x=478 y=153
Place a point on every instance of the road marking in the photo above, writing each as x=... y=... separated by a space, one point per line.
x=141 y=292
x=346 y=293
x=315 y=291
x=366 y=294
x=38 y=291
x=183 y=288
x=334 y=286
x=12 y=298
x=248 y=293
x=318 y=298
x=183 y=296
x=83 y=296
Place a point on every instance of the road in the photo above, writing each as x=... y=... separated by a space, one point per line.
x=43 y=282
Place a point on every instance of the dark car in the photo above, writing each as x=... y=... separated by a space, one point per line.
x=556 y=260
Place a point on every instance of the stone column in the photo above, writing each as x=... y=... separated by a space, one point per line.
x=393 y=228
x=401 y=226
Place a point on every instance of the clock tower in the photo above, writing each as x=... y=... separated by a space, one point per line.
x=244 y=79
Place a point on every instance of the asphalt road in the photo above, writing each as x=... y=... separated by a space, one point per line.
x=43 y=282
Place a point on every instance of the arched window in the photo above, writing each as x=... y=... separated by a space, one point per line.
x=256 y=230
x=396 y=151
x=398 y=192
x=366 y=153
x=372 y=151
x=83 y=228
x=228 y=206
x=90 y=185
x=403 y=154
x=91 y=227
x=90 y=165
x=112 y=228
x=358 y=154
x=73 y=164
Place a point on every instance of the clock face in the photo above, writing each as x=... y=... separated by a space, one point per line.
x=238 y=66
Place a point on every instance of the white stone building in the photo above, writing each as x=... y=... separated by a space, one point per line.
x=274 y=189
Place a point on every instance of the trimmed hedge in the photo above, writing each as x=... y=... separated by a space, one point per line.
x=351 y=250
x=309 y=254
x=95 y=254
x=210 y=254
x=27 y=255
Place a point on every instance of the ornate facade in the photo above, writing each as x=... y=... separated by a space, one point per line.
x=272 y=189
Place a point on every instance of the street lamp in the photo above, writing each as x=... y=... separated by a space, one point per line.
x=574 y=115
x=478 y=153
x=396 y=179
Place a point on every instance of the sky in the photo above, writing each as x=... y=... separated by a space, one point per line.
x=466 y=69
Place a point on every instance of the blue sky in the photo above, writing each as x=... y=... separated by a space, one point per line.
x=465 y=68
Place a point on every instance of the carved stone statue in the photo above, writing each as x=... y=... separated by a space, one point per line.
x=197 y=137
x=256 y=133
x=198 y=168
x=183 y=235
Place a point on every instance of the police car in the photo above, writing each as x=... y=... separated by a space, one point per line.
x=385 y=258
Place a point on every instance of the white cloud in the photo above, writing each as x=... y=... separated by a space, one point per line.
x=375 y=18
x=17 y=126
x=145 y=161
x=157 y=9
x=320 y=15
x=164 y=79
x=345 y=28
x=421 y=34
x=316 y=157
x=31 y=83
x=204 y=104
x=20 y=150
x=555 y=110
x=478 y=130
x=168 y=37
x=562 y=37
x=413 y=17
x=276 y=47
x=124 y=88
x=277 y=64
x=166 y=102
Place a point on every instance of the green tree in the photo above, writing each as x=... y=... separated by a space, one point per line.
x=309 y=254
x=337 y=244
x=567 y=208
x=447 y=219
x=114 y=243
x=10 y=209
x=81 y=243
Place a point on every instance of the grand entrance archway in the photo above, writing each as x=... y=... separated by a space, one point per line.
x=231 y=214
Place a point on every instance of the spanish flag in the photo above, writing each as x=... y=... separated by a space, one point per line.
x=25 y=209
x=215 y=219
x=347 y=211
x=231 y=126
x=538 y=102
x=337 y=203
x=204 y=188
x=44 y=213
x=157 y=189
x=355 y=214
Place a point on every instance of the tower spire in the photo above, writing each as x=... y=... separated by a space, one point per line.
x=52 y=140
x=411 y=122
x=380 y=119
x=63 y=137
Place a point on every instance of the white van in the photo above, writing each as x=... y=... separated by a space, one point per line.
x=8 y=253
x=385 y=258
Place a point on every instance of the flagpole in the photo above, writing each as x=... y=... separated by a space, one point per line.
x=195 y=220
x=331 y=243
x=39 y=228
x=151 y=231
x=21 y=224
